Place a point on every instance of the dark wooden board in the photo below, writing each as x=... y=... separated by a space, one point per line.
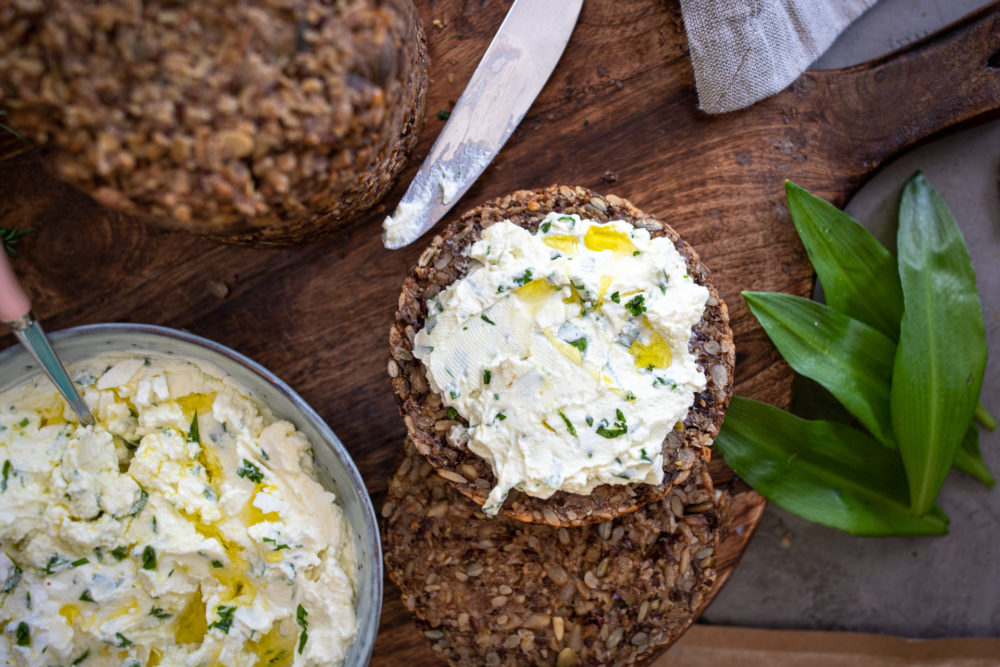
x=619 y=115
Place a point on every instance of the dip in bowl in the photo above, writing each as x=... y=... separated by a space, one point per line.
x=199 y=535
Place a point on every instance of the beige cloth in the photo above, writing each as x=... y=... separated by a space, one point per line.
x=746 y=50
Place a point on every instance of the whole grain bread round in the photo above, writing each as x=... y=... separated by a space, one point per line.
x=503 y=592
x=252 y=121
x=427 y=422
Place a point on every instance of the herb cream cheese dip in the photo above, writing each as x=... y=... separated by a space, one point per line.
x=203 y=541
x=567 y=353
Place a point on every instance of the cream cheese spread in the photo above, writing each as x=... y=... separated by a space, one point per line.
x=401 y=227
x=199 y=538
x=566 y=350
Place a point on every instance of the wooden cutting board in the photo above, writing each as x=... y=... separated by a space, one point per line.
x=619 y=115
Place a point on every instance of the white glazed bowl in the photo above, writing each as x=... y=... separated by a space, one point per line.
x=334 y=466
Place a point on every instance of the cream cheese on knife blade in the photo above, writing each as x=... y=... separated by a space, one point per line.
x=567 y=352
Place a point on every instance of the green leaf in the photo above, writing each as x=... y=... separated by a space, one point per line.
x=11 y=235
x=941 y=355
x=858 y=274
x=983 y=416
x=193 y=434
x=850 y=359
x=822 y=471
x=969 y=459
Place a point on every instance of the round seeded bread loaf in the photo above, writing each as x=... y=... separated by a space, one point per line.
x=446 y=260
x=253 y=121
x=502 y=592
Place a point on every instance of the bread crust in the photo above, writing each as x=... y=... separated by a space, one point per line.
x=502 y=592
x=446 y=260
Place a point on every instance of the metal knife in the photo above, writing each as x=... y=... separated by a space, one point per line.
x=513 y=71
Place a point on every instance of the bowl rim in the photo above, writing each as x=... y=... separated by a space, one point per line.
x=368 y=513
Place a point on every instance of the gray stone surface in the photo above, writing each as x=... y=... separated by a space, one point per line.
x=804 y=576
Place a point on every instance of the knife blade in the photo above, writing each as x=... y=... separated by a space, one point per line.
x=507 y=80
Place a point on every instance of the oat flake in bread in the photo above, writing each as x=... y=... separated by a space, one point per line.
x=502 y=592
x=438 y=428
x=200 y=538
x=254 y=121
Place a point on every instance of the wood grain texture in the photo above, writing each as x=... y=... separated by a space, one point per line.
x=619 y=115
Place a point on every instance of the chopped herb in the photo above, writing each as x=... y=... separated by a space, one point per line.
x=83 y=656
x=123 y=641
x=23 y=422
x=525 y=278
x=217 y=564
x=10 y=235
x=635 y=253
x=687 y=277
x=263 y=452
x=120 y=552
x=56 y=561
x=85 y=596
x=80 y=561
x=444 y=114
x=251 y=472
x=590 y=420
x=193 y=434
x=139 y=504
x=300 y=617
x=149 y=558
x=586 y=122
x=12 y=581
x=452 y=413
x=569 y=424
x=663 y=382
x=580 y=344
x=629 y=396
x=501 y=416
x=566 y=218
x=487 y=320
x=620 y=427
x=645 y=456
x=636 y=306
x=458 y=35
x=6 y=473
x=132 y=412
x=487 y=376
x=225 y=620
x=159 y=613
x=23 y=634
x=277 y=546
x=616 y=297
x=155 y=529
x=621 y=475
x=545 y=226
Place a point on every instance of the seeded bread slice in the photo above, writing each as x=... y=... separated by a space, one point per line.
x=503 y=592
x=446 y=260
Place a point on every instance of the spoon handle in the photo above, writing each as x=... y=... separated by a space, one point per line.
x=15 y=310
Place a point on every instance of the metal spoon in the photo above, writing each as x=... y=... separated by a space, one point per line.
x=15 y=311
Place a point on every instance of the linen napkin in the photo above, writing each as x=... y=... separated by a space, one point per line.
x=746 y=50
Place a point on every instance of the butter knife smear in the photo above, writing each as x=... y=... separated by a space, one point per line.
x=507 y=80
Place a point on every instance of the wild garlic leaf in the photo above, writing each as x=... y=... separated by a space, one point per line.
x=850 y=359
x=969 y=459
x=858 y=274
x=823 y=471
x=941 y=355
